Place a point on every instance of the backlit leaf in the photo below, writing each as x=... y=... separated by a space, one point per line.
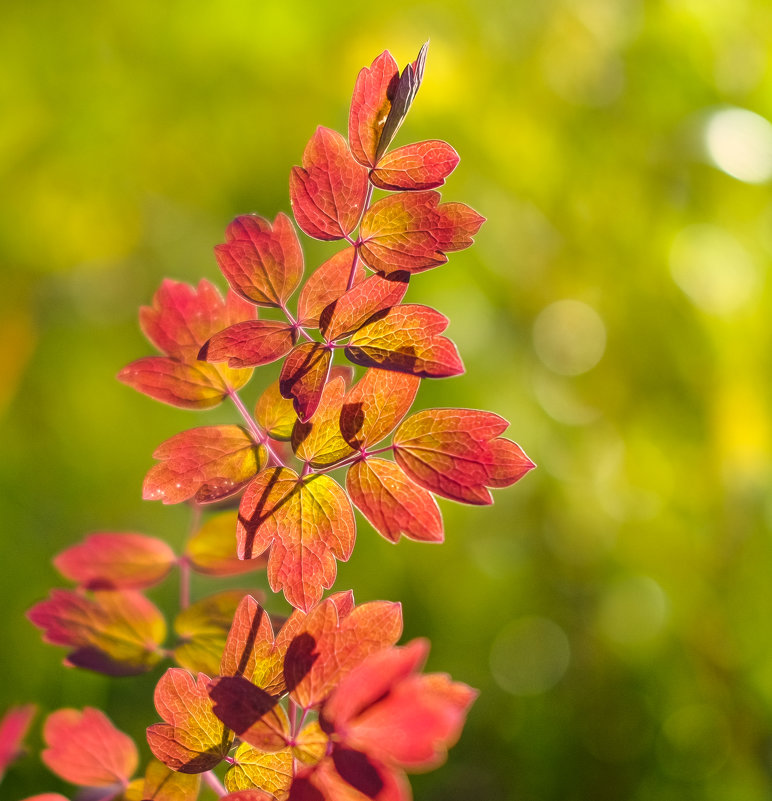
x=307 y=522
x=412 y=231
x=46 y=797
x=346 y=314
x=406 y=339
x=319 y=441
x=248 y=795
x=114 y=632
x=262 y=262
x=191 y=739
x=349 y=775
x=212 y=549
x=250 y=344
x=328 y=192
x=310 y=744
x=162 y=784
x=455 y=453
x=375 y=405
x=326 y=284
x=116 y=561
x=203 y=628
x=275 y=414
x=424 y=165
x=304 y=375
x=85 y=748
x=206 y=464
x=255 y=769
x=13 y=729
x=392 y=503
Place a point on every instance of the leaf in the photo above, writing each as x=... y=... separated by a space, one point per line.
x=13 y=729
x=308 y=523
x=182 y=317
x=375 y=405
x=319 y=441
x=346 y=314
x=327 y=283
x=163 y=784
x=212 y=549
x=412 y=231
x=406 y=339
x=203 y=629
x=250 y=344
x=206 y=464
x=187 y=386
x=455 y=453
x=380 y=103
x=116 y=561
x=86 y=749
x=384 y=708
x=46 y=797
x=328 y=192
x=248 y=795
x=114 y=632
x=392 y=503
x=255 y=769
x=328 y=643
x=263 y=263
x=421 y=166
x=191 y=739
x=304 y=375
x=350 y=776
x=310 y=744
x=275 y=414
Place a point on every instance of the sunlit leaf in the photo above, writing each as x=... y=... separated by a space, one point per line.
x=203 y=628
x=308 y=523
x=455 y=453
x=327 y=283
x=206 y=464
x=311 y=744
x=346 y=314
x=162 y=784
x=254 y=769
x=275 y=414
x=328 y=192
x=304 y=375
x=46 y=797
x=424 y=165
x=114 y=632
x=13 y=729
x=85 y=748
x=406 y=339
x=250 y=344
x=212 y=549
x=319 y=441
x=412 y=231
x=191 y=739
x=349 y=775
x=262 y=262
x=392 y=503
x=248 y=795
x=375 y=405
x=116 y=561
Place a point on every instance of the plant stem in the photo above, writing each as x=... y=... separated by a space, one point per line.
x=350 y=460
x=254 y=429
x=210 y=778
x=358 y=243
x=184 y=582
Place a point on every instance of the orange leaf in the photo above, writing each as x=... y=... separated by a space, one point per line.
x=326 y=284
x=319 y=441
x=304 y=375
x=424 y=165
x=250 y=344
x=13 y=729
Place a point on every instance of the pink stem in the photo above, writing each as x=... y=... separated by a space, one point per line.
x=254 y=429
x=214 y=783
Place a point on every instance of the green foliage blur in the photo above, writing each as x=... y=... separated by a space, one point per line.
x=611 y=608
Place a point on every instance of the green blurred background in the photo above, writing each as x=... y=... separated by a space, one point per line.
x=613 y=608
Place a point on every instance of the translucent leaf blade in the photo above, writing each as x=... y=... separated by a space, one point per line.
x=212 y=549
x=326 y=284
x=303 y=377
x=328 y=192
x=206 y=464
x=13 y=729
x=255 y=769
x=319 y=441
x=162 y=784
x=275 y=414
x=250 y=344
x=417 y=167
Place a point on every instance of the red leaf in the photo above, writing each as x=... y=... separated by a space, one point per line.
x=392 y=503
x=375 y=405
x=386 y=710
x=349 y=775
x=455 y=453
x=346 y=314
x=328 y=192
x=46 y=797
x=304 y=375
x=192 y=739
x=319 y=441
x=424 y=165
x=182 y=318
x=85 y=748
x=263 y=263
x=13 y=729
x=380 y=103
x=116 y=561
x=117 y=633
x=207 y=464
x=212 y=549
x=248 y=795
x=406 y=339
x=308 y=523
x=250 y=344
x=412 y=231
x=326 y=284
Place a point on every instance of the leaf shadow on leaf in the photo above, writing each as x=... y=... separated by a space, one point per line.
x=238 y=703
x=90 y=658
x=260 y=515
x=249 y=644
x=299 y=660
x=356 y=768
x=352 y=420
